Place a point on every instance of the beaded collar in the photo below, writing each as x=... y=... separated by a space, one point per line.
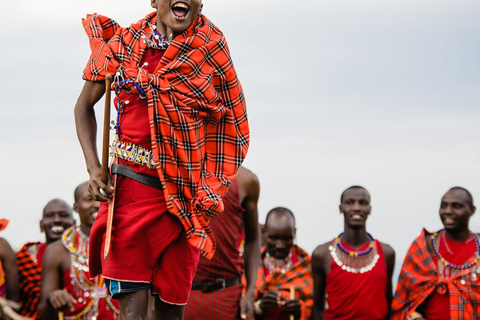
x=277 y=265
x=86 y=290
x=354 y=261
x=447 y=269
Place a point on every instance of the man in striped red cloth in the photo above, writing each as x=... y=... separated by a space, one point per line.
x=284 y=285
x=353 y=274
x=66 y=285
x=440 y=276
x=56 y=218
x=217 y=286
x=182 y=134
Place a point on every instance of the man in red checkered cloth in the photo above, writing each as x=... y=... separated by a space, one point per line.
x=182 y=133
x=217 y=286
x=440 y=277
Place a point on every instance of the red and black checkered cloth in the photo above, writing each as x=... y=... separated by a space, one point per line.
x=197 y=112
x=29 y=277
x=419 y=278
x=299 y=276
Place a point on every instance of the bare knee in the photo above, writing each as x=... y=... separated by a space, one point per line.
x=166 y=311
x=133 y=306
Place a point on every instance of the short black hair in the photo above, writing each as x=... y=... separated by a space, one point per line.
x=280 y=211
x=63 y=202
x=469 y=195
x=76 y=193
x=354 y=187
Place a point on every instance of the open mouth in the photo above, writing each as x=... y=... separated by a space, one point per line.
x=357 y=216
x=57 y=229
x=180 y=9
x=448 y=221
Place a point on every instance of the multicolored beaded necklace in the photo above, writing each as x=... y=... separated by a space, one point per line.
x=153 y=41
x=448 y=269
x=354 y=261
x=86 y=291
x=278 y=265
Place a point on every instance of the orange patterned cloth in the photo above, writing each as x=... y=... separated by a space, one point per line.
x=30 y=276
x=299 y=276
x=419 y=278
x=3 y=284
x=196 y=107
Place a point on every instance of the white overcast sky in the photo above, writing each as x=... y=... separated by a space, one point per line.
x=384 y=94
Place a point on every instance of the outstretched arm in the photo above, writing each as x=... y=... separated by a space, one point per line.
x=87 y=135
x=9 y=264
x=249 y=183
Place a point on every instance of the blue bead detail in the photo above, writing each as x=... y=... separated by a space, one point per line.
x=356 y=254
x=448 y=264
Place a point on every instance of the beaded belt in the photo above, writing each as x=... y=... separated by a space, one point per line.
x=133 y=153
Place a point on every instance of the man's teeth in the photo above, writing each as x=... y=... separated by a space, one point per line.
x=356 y=216
x=180 y=5
x=57 y=229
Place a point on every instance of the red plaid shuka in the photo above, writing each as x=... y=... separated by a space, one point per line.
x=29 y=277
x=299 y=276
x=419 y=278
x=197 y=112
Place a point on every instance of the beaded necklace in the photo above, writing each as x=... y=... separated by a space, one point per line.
x=280 y=265
x=448 y=269
x=86 y=290
x=354 y=261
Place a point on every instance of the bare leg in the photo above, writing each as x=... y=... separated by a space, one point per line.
x=133 y=306
x=165 y=311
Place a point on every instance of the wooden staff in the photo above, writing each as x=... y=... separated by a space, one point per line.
x=60 y=315
x=105 y=153
x=106 y=128
x=292 y=296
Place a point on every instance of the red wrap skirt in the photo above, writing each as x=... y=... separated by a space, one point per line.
x=148 y=244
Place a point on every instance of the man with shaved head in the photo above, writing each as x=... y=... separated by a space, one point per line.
x=353 y=273
x=284 y=270
x=182 y=134
x=66 y=285
x=56 y=218
x=440 y=276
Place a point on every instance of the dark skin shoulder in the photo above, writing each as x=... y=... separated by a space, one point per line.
x=56 y=261
x=9 y=264
x=320 y=268
x=249 y=192
x=389 y=255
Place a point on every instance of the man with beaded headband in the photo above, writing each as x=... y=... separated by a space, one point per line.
x=440 y=276
x=66 y=285
x=182 y=134
x=353 y=274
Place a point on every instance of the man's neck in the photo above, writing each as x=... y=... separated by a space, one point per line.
x=355 y=237
x=457 y=236
x=85 y=229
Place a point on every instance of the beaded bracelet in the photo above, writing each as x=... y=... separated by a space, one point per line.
x=256 y=307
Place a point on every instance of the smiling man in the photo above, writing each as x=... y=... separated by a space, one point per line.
x=440 y=276
x=284 y=266
x=56 y=218
x=66 y=284
x=182 y=134
x=353 y=273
